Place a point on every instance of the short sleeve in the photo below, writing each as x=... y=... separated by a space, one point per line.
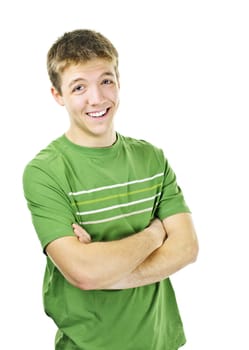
x=171 y=200
x=50 y=208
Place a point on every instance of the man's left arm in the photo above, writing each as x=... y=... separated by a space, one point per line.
x=179 y=249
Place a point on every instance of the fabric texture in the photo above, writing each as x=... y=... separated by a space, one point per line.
x=112 y=192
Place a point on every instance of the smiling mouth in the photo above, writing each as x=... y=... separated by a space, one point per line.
x=99 y=114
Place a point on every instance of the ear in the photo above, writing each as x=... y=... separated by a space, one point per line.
x=57 y=96
x=118 y=79
x=118 y=83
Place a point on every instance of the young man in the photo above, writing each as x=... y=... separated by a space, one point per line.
x=108 y=212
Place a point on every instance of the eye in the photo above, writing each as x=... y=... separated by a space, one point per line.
x=78 y=88
x=107 y=82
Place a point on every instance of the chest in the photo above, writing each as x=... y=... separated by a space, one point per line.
x=112 y=199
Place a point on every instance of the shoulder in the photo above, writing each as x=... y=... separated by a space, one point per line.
x=143 y=147
x=138 y=143
x=51 y=154
x=44 y=163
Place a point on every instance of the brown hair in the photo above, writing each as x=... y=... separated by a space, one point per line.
x=75 y=47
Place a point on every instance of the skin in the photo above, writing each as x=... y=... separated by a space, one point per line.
x=90 y=88
x=178 y=250
x=100 y=265
x=143 y=258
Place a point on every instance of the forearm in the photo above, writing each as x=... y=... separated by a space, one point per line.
x=161 y=264
x=179 y=250
x=112 y=261
x=98 y=265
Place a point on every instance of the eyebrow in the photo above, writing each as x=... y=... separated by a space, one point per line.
x=82 y=79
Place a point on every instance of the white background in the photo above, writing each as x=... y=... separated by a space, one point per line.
x=184 y=69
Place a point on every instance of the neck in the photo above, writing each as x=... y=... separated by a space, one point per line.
x=92 y=142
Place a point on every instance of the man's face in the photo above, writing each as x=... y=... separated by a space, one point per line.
x=90 y=93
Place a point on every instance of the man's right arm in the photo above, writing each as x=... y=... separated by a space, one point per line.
x=98 y=265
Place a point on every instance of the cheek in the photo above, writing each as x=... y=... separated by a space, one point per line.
x=115 y=96
x=75 y=104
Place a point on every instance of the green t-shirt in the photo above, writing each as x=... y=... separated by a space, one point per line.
x=112 y=192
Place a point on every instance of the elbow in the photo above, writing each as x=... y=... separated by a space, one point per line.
x=87 y=279
x=84 y=285
x=88 y=282
x=93 y=284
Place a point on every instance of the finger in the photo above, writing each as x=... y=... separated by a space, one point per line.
x=84 y=239
x=77 y=226
x=81 y=233
x=78 y=229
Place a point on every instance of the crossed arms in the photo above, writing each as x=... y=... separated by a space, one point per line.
x=143 y=258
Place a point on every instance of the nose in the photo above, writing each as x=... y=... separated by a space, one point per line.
x=95 y=95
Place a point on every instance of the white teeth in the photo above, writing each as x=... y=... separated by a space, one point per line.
x=97 y=114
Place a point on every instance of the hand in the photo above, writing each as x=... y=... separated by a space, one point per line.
x=82 y=235
x=158 y=229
